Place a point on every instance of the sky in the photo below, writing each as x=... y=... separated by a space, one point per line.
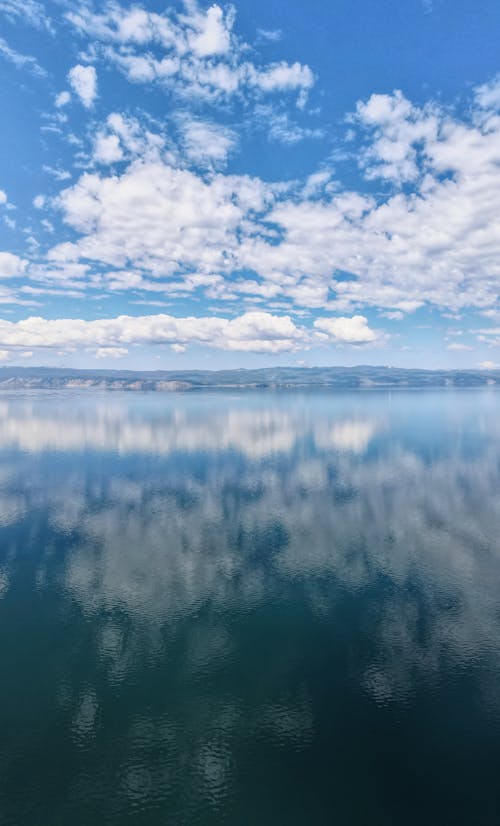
x=250 y=184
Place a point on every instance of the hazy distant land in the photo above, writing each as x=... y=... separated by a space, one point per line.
x=270 y=377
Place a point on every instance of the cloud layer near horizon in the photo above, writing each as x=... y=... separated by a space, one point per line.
x=257 y=332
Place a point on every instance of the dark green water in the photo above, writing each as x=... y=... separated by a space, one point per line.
x=250 y=608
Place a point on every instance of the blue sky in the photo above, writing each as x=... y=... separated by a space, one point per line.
x=250 y=184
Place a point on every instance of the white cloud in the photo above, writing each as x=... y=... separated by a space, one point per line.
x=399 y=255
x=250 y=332
x=312 y=244
x=3 y=197
x=107 y=149
x=62 y=99
x=206 y=142
x=489 y=365
x=158 y=217
x=111 y=352
x=256 y=332
x=11 y=265
x=439 y=244
x=353 y=330
x=125 y=138
x=281 y=77
x=489 y=336
x=281 y=128
x=21 y=61
x=57 y=173
x=39 y=201
x=26 y=11
x=488 y=94
x=209 y=33
x=272 y=35
x=430 y=233
x=458 y=346
x=199 y=54
x=83 y=81
x=398 y=132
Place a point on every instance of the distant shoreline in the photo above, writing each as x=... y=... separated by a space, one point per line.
x=268 y=378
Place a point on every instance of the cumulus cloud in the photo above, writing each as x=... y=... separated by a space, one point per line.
x=250 y=332
x=398 y=131
x=354 y=330
x=3 y=197
x=281 y=77
x=125 y=138
x=107 y=149
x=111 y=352
x=159 y=217
x=312 y=245
x=488 y=94
x=209 y=33
x=253 y=332
x=154 y=211
x=62 y=99
x=199 y=53
x=83 y=81
x=206 y=142
x=436 y=244
x=11 y=265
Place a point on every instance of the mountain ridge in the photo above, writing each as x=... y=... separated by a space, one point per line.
x=361 y=376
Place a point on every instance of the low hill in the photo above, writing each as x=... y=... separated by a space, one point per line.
x=363 y=376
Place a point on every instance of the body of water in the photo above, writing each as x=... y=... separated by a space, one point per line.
x=250 y=608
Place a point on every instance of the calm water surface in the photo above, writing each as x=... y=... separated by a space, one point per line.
x=250 y=608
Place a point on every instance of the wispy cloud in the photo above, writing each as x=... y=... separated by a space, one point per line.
x=27 y=11
x=21 y=61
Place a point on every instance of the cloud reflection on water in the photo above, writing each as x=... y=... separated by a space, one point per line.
x=303 y=501
x=206 y=513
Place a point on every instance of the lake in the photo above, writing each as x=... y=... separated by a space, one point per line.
x=250 y=608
